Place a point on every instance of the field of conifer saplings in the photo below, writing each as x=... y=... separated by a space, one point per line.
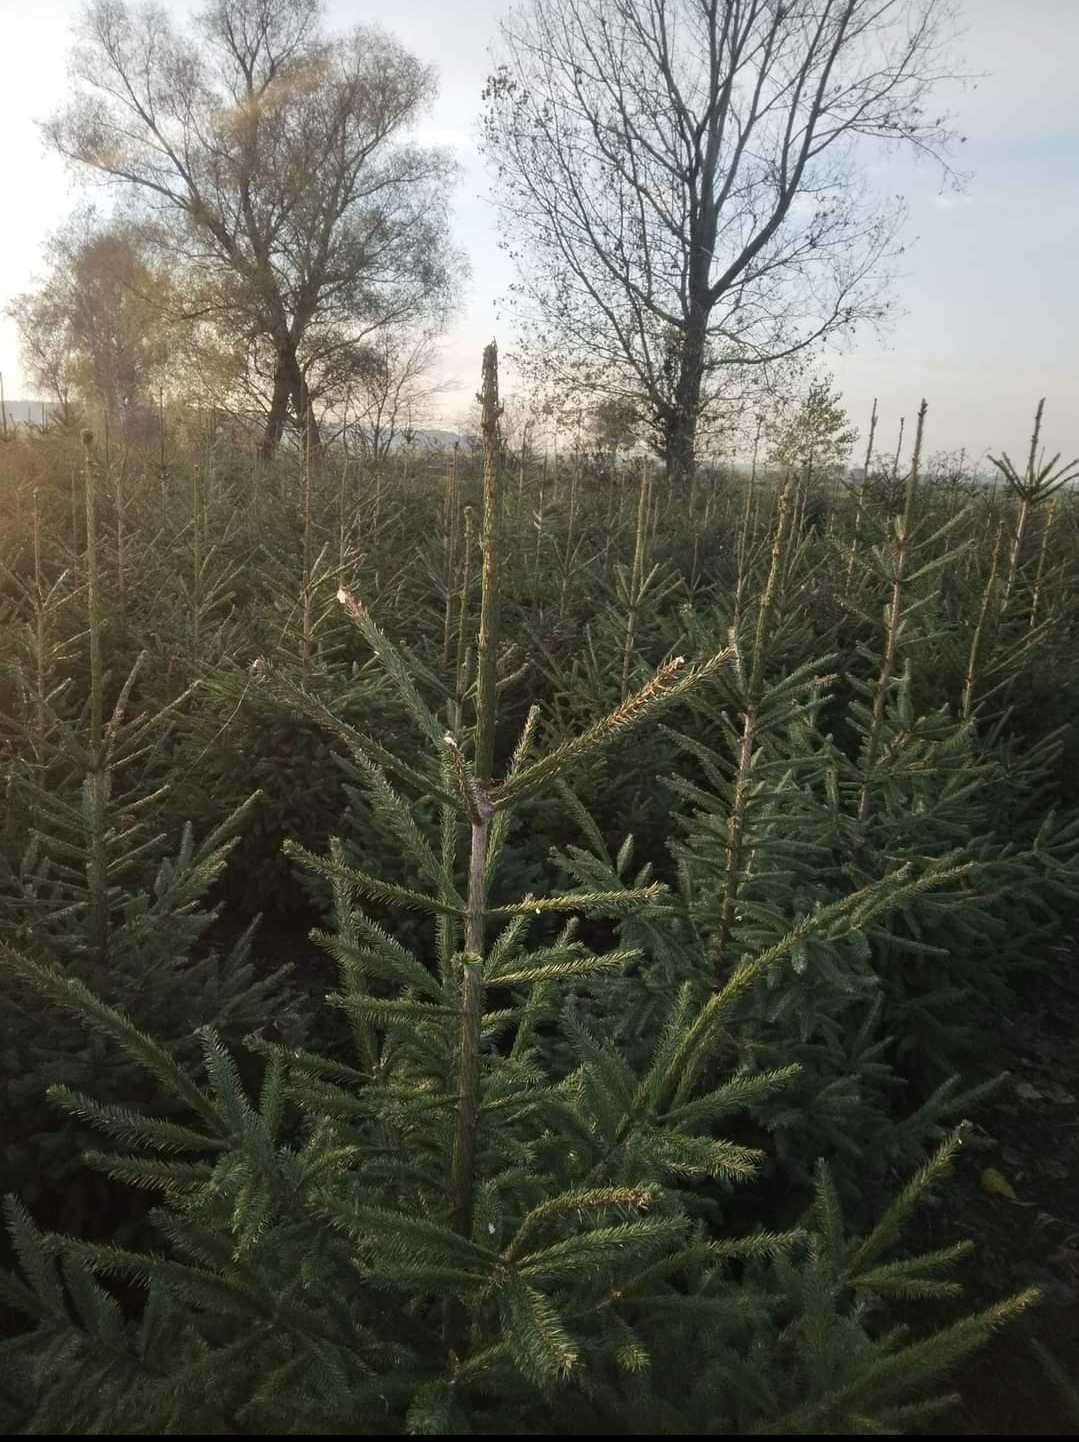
x=503 y=943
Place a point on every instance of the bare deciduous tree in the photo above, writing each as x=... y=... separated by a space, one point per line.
x=680 y=181
x=390 y=392
x=95 y=329
x=273 y=162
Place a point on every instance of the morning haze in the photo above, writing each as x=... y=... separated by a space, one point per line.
x=987 y=297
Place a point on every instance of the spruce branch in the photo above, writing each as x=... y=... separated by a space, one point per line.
x=73 y=996
x=665 y=686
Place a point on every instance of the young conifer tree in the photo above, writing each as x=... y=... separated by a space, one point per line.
x=447 y=1232
x=91 y=885
x=763 y=854
x=935 y=783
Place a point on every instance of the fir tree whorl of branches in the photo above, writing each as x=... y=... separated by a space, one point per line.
x=695 y=925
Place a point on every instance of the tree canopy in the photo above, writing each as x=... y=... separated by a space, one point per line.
x=275 y=163
x=679 y=180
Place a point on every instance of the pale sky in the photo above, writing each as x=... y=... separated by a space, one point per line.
x=988 y=299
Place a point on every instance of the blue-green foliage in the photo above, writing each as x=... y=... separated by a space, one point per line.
x=317 y=1274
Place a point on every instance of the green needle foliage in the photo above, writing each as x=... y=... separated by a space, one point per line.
x=92 y=885
x=506 y=1198
x=662 y=858
x=443 y=1232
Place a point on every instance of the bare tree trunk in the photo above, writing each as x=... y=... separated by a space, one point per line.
x=681 y=449
x=305 y=415
x=274 y=427
x=290 y=385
